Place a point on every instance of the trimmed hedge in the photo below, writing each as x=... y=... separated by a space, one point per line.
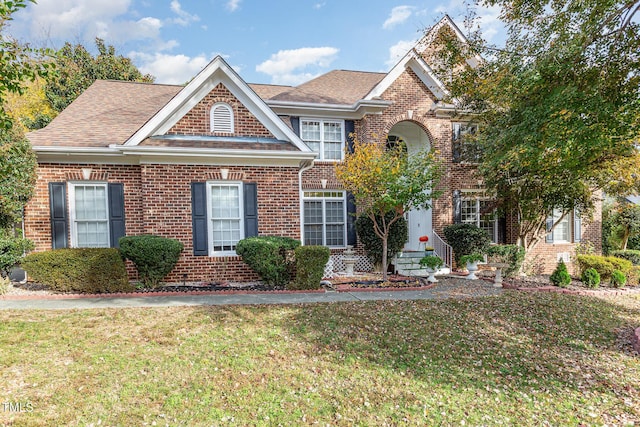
x=269 y=256
x=12 y=250
x=466 y=239
x=604 y=265
x=153 y=256
x=629 y=255
x=310 y=263
x=510 y=254
x=82 y=270
x=398 y=235
x=560 y=276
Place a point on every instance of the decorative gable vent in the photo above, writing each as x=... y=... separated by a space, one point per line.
x=221 y=118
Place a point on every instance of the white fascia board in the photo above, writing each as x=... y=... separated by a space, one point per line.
x=101 y=155
x=218 y=71
x=342 y=111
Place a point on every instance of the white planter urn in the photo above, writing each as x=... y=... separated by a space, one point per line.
x=472 y=267
x=432 y=277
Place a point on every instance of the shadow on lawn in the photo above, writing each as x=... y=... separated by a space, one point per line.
x=519 y=340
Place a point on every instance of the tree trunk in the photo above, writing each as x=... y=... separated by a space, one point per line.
x=384 y=257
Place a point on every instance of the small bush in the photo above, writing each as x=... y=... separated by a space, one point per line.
x=630 y=255
x=12 y=250
x=310 y=263
x=509 y=254
x=604 y=265
x=153 y=256
x=83 y=270
x=591 y=278
x=398 y=235
x=466 y=239
x=269 y=256
x=618 y=279
x=432 y=262
x=560 y=276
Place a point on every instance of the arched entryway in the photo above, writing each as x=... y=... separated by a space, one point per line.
x=419 y=221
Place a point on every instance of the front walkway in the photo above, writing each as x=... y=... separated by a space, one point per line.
x=445 y=289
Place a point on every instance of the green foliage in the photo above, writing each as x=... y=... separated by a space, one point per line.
x=4 y=285
x=85 y=270
x=396 y=238
x=630 y=255
x=471 y=258
x=153 y=256
x=12 y=249
x=310 y=263
x=432 y=261
x=466 y=239
x=18 y=172
x=560 y=276
x=604 y=265
x=509 y=254
x=618 y=279
x=78 y=69
x=590 y=277
x=269 y=256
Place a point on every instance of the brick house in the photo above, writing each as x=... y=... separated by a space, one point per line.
x=218 y=160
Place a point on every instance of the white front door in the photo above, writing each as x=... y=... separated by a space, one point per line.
x=419 y=224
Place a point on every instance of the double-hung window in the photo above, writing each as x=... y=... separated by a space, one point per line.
x=226 y=223
x=478 y=211
x=562 y=231
x=324 y=218
x=89 y=215
x=325 y=137
x=464 y=148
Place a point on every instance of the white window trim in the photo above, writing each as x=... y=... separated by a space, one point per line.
x=322 y=122
x=231 y=118
x=72 y=208
x=211 y=184
x=342 y=199
x=473 y=196
x=566 y=218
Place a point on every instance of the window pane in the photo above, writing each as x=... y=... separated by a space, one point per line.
x=92 y=234
x=561 y=232
x=225 y=217
x=324 y=215
x=469 y=212
x=332 y=132
x=310 y=131
x=91 y=216
x=313 y=234
x=312 y=213
x=335 y=235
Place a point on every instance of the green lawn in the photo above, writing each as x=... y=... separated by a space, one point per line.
x=519 y=359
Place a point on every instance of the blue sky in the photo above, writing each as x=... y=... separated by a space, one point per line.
x=278 y=41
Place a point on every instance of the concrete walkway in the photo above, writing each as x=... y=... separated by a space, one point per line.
x=444 y=290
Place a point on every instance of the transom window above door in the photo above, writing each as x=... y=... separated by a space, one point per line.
x=325 y=137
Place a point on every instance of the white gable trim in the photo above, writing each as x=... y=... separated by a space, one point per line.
x=423 y=43
x=216 y=72
x=414 y=61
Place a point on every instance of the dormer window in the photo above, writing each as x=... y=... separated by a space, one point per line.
x=221 y=118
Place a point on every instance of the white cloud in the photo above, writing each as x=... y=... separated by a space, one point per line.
x=319 y=5
x=233 y=5
x=184 y=18
x=398 y=50
x=281 y=65
x=169 y=69
x=398 y=15
x=488 y=19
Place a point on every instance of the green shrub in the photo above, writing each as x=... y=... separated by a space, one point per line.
x=560 y=276
x=618 y=279
x=269 y=256
x=466 y=239
x=432 y=262
x=630 y=255
x=83 y=270
x=509 y=254
x=604 y=265
x=12 y=250
x=310 y=263
x=590 y=277
x=153 y=256
x=398 y=235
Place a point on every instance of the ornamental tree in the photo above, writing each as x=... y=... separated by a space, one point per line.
x=388 y=180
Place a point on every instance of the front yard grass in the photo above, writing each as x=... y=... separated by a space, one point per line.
x=518 y=359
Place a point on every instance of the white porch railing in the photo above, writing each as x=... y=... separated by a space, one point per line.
x=443 y=250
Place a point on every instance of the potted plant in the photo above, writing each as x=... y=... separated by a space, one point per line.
x=471 y=262
x=432 y=264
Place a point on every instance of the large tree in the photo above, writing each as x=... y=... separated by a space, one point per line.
x=387 y=180
x=558 y=107
x=78 y=69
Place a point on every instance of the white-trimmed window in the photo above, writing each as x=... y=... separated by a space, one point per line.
x=225 y=215
x=89 y=215
x=478 y=211
x=464 y=150
x=325 y=218
x=562 y=231
x=325 y=137
x=221 y=118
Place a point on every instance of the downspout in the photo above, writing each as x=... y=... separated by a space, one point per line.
x=304 y=166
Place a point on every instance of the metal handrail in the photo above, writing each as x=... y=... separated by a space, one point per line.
x=443 y=250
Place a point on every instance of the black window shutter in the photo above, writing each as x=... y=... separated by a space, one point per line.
x=295 y=124
x=349 y=129
x=577 y=227
x=549 y=238
x=58 y=212
x=502 y=229
x=116 y=213
x=250 y=190
x=457 y=207
x=352 y=237
x=199 y=218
